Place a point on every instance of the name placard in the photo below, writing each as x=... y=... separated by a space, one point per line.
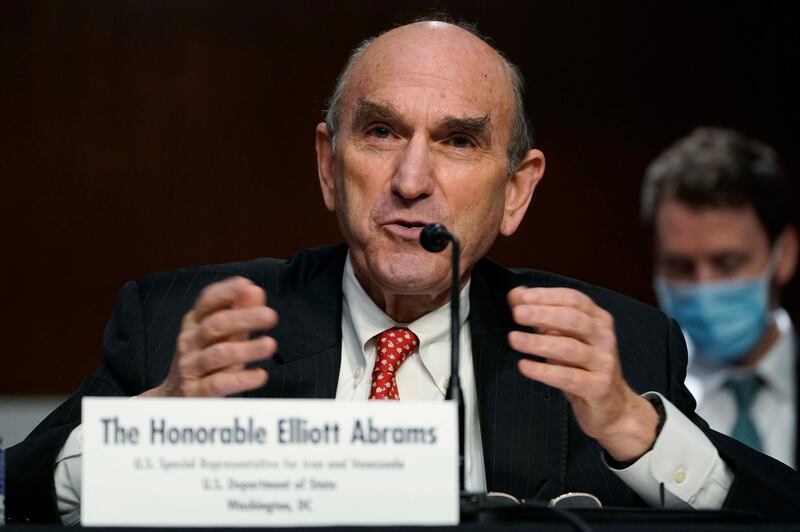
x=216 y=462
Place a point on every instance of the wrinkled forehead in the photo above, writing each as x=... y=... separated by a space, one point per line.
x=433 y=60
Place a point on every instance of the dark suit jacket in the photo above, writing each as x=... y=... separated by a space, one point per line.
x=527 y=429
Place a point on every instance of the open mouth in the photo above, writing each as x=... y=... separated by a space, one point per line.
x=405 y=229
x=410 y=225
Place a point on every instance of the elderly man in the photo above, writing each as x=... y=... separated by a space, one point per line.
x=426 y=125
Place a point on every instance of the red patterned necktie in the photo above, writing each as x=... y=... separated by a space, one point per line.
x=393 y=347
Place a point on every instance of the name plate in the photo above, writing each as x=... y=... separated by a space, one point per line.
x=264 y=462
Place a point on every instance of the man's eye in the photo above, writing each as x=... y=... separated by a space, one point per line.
x=678 y=268
x=729 y=264
x=379 y=132
x=461 y=141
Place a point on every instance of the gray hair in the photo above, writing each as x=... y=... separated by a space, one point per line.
x=521 y=139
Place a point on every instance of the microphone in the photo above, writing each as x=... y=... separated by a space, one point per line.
x=434 y=238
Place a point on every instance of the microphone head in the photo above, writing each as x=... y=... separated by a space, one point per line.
x=434 y=237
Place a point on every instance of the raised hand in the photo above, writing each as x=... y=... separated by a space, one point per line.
x=213 y=345
x=576 y=339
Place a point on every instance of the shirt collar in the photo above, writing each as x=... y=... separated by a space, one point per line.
x=776 y=367
x=368 y=320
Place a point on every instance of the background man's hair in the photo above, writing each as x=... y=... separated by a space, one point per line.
x=521 y=139
x=715 y=167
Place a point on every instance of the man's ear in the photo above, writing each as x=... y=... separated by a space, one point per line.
x=324 y=146
x=519 y=190
x=787 y=262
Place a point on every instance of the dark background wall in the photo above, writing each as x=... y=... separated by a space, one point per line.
x=138 y=136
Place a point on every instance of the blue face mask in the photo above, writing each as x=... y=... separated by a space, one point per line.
x=724 y=319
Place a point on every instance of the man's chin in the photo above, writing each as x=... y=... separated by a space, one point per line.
x=409 y=272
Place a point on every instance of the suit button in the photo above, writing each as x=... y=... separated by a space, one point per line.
x=358 y=373
x=679 y=476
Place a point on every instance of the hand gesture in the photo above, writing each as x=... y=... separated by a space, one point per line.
x=214 y=346
x=576 y=339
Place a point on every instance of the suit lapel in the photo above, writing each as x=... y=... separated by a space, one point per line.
x=309 y=332
x=523 y=422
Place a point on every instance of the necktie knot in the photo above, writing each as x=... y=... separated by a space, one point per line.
x=393 y=347
x=745 y=390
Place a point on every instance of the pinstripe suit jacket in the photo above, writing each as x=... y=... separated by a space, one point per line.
x=527 y=429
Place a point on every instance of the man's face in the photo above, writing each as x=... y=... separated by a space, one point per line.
x=709 y=244
x=423 y=135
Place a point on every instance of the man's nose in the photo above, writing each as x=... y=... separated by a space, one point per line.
x=704 y=272
x=413 y=176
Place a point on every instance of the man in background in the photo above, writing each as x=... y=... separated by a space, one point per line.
x=718 y=206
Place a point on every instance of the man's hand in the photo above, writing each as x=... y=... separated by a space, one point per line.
x=577 y=340
x=213 y=345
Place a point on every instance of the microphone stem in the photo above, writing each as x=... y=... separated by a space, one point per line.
x=454 y=385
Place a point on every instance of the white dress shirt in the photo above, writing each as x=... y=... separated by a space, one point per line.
x=683 y=459
x=774 y=408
